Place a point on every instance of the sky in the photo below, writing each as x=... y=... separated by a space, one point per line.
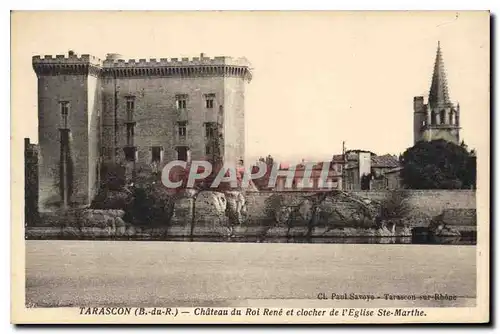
x=319 y=78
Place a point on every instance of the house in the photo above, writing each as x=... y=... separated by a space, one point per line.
x=322 y=176
x=330 y=172
x=367 y=171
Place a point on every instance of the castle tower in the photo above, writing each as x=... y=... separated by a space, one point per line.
x=159 y=110
x=439 y=118
x=140 y=114
x=68 y=103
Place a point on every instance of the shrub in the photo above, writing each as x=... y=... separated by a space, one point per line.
x=152 y=204
x=394 y=206
x=113 y=176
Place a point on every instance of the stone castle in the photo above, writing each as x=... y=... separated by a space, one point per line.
x=140 y=113
x=439 y=118
x=146 y=113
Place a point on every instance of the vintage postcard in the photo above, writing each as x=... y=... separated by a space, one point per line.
x=250 y=167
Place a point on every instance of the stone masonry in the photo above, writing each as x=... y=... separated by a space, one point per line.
x=141 y=113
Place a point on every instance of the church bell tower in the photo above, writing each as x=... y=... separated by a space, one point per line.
x=439 y=118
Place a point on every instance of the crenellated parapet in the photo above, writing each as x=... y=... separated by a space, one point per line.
x=164 y=67
x=179 y=67
x=71 y=64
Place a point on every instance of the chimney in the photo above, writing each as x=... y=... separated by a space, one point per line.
x=202 y=55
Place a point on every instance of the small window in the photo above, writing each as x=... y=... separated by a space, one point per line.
x=208 y=149
x=156 y=154
x=209 y=101
x=442 y=116
x=64 y=106
x=433 y=118
x=181 y=101
x=130 y=107
x=130 y=135
x=182 y=153
x=210 y=130
x=129 y=153
x=181 y=129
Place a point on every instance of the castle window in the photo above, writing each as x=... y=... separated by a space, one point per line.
x=181 y=129
x=156 y=154
x=130 y=107
x=130 y=153
x=442 y=116
x=64 y=106
x=130 y=135
x=209 y=101
x=451 y=117
x=182 y=153
x=210 y=128
x=181 y=101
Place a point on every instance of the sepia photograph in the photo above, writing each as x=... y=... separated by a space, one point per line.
x=250 y=167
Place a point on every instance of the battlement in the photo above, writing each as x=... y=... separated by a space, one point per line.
x=67 y=59
x=194 y=61
x=115 y=65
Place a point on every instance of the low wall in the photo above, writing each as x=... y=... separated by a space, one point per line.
x=423 y=202
x=457 y=208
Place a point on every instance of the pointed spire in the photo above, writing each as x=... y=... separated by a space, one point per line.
x=438 y=95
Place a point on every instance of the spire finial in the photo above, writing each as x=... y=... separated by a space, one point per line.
x=438 y=94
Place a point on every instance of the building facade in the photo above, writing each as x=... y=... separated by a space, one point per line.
x=439 y=118
x=139 y=113
x=367 y=171
x=320 y=176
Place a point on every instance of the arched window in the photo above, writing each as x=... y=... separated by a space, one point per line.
x=433 y=118
x=451 y=117
x=442 y=116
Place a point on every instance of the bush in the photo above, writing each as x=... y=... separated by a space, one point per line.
x=394 y=206
x=113 y=176
x=152 y=204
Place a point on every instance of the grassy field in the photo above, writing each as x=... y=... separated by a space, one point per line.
x=135 y=273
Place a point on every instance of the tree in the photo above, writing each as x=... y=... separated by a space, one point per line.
x=438 y=164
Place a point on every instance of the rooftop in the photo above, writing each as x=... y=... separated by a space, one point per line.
x=377 y=161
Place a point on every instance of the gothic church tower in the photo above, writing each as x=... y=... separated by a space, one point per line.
x=439 y=118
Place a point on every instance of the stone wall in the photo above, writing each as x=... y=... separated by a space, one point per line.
x=156 y=116
x=432 y=202
x=51 y=90
x=422 y=202
x=98 y=91
x=214 y=214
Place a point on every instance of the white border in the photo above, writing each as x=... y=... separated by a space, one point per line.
x=184 y=5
